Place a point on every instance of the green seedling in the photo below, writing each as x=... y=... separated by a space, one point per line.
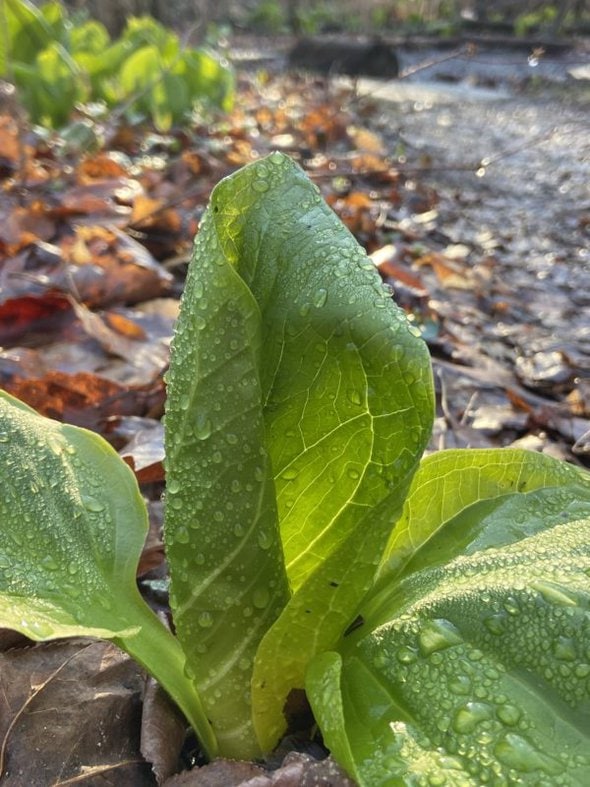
x=57 y=64
x=436 y=612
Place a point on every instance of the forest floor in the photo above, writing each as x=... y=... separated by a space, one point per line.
x=467 y=182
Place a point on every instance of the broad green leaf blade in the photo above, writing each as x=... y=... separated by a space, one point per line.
x=347 y=405
x=289 y=345
x=73 y=521
x=228 y=582
x=73 y=526
x=480 y=673
x=317 y=616
x=347 y=385
x=472 y=658
x=25 y=32
x=463 y=501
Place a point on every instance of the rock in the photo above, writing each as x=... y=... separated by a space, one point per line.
x=371 y=59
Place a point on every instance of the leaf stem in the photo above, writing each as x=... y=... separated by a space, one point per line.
x=159 y=652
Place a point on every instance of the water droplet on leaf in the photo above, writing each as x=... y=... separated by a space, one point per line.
x=260 y=598
x=202 y=427
x=320 y=297
x=260 y=185
x=205 y=620
x=92 y=504
x=438 y=635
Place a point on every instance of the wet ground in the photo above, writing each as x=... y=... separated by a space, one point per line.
x=511 y=167
x=511 y=163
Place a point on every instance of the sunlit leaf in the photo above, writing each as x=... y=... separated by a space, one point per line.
x=290 y=361
x=73 y=527
x=471 y=659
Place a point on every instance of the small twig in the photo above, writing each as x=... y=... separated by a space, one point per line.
x=467 y=49
x=93 y=771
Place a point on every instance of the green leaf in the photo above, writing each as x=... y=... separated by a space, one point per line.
x=145 y=30
x=228 y=582
x=169 y=100
x=207 y=78
x=141 y=70
x=91 y=37
x=25 y=32
x=289 y=345
x=102 y=68
x=73 y=527
x=474 y=486
x=471 y=663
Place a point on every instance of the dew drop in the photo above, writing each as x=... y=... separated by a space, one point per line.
x=496 y=623
x=511 y=606
x=565 y=649
x=304 y=309
x=92 y=504
x=406 y=655
x=437 y=635
x=54 y=444
x=50 y=563
x=260 y=185
x=182 y=535
x=205 y=620
x=460 y=684
x=4 y=437
x=260 y=598
x=264 y=539
x=509 y=714
x=173 y=486
x=355 y=397
x=469 y=716
x=516 y=752
x=352 y=473
x=202 y=427
x=289 y=474
x=231 y=438
x=320 y=297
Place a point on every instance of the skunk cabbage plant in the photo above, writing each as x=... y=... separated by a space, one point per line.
x=437 y=613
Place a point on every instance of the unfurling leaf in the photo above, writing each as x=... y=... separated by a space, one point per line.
x=298 y=403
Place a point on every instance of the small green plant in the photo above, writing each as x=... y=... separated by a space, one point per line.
x=57 y=64
x=435 y=612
